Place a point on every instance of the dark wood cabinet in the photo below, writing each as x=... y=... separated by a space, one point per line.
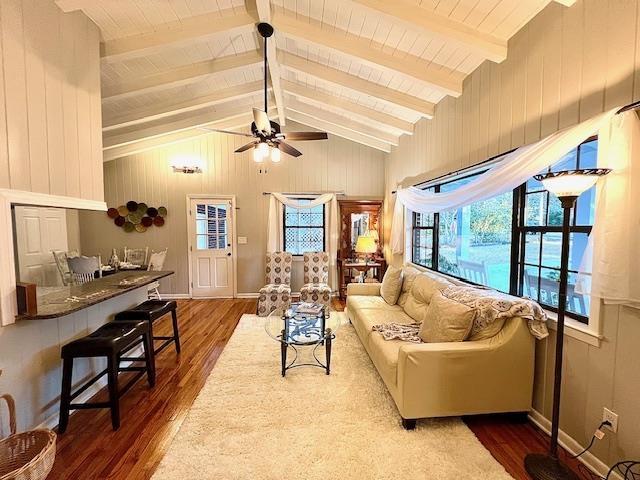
x=356 y=218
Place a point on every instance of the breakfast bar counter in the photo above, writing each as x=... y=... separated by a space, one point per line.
x=55 y=302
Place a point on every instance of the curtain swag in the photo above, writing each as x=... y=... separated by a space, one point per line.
x=513 y=170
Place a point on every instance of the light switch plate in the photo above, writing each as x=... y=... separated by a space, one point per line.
x=242 y=240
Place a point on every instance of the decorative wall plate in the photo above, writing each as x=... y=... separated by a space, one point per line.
x=134 y=216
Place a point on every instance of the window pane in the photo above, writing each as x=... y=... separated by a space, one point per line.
x=551 y=249
x=423 y=247
x=423 y=220
x=589 y=154
x=532 y=248
x=586 y=207
x=475 y=242
x=535 y=209
x=201 y=211
x=304 y=229
x=568 y=162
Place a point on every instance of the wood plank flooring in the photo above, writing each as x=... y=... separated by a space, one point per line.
x=150 y=418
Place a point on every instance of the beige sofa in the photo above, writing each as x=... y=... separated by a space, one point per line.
x=443 y=379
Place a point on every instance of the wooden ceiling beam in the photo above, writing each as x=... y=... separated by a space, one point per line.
x=385 y=120
x=177 y=34
x=161 y=110
x=354 y=83
x=341 y=121
x=180 y=76
x=440 y=26
x=238 y=121
x=367 y=52
x=264 y=14
x=338 y=131
x=130 y=134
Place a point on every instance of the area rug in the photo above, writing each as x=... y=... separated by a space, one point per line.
x=249 y=422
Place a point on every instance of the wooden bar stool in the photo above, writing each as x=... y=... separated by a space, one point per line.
x=152 y=310
x=112 y=340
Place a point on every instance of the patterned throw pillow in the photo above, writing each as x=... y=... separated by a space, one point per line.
x=447 y=320
x=391 y=285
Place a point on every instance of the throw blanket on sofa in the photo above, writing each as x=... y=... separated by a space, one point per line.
x=399 y=331
x=492 y=305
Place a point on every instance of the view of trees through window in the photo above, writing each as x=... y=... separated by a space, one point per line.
x=303 y=229
x=475 y=242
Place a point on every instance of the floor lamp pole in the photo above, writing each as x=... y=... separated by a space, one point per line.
x=540 y=466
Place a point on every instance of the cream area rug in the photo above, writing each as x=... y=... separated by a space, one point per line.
x=249 y=422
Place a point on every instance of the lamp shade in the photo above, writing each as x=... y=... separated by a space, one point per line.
x=275 y=154
x=366 y=244
x=571 y=183
x=373 y=234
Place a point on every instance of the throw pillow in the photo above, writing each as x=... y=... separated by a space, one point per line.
x=446 y=320
x=391 y=285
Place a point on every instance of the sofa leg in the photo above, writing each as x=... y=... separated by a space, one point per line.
x=409 y=423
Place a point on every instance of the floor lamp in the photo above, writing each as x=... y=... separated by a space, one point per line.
x=567 y=185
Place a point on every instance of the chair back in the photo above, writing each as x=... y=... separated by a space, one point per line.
x=136 y=256
x=278 y=268
x=156 y=260
x=475 y=272
x=60 y=258
x=316 y=267
x=83 y=269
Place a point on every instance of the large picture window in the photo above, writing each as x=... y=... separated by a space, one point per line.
x=304 y=229
x=511 y=242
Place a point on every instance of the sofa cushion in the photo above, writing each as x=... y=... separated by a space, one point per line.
x=363 y=320
x=409 y=274
x=391 y=285
x=447 y=320
x=357 y=302
x=384 y=354
x=424 y=286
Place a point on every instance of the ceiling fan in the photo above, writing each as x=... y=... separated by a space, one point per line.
x=269 y=141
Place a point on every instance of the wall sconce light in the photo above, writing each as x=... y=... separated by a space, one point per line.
x=187 y=164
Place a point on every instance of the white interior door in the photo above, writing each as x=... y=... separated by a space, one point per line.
x=39 y=231
x=211 y=247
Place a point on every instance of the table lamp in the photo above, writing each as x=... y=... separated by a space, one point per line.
x=366 y=245
x=567 y=185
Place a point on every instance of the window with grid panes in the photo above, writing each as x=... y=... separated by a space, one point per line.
x=540 y=229
x=423 y=237
x=211 y=226
x=304 y=229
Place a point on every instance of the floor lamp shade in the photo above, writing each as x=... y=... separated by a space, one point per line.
x=567 y=185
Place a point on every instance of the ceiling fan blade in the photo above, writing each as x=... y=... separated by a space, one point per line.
x=226 y=131
x=261 y=120
x=302 y=136
x=288 y=149
x=245 y=147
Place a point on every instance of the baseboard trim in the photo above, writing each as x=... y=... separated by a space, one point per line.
x=592 y=462
x=175 y=296
x=247 y=295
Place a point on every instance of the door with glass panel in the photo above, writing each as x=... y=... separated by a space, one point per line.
x=211 y=247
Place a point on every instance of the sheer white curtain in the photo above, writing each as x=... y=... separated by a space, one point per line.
x=612 y=254
x=514 y=170
x=275 y=241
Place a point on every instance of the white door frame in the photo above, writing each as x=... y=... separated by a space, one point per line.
x=234 y=244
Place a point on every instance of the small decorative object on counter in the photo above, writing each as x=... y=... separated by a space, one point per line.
x=28 y=455
x=138 y=217
x=114 y=261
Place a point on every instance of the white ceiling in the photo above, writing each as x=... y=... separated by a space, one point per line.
x=371 y=67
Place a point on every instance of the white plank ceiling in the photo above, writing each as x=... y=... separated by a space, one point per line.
x=364 y=69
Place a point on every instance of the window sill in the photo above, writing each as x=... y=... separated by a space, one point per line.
x=575 y=329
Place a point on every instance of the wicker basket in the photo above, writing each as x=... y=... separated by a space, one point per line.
x=28 y=455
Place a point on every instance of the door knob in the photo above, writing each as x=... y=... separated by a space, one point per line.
x=229 y=254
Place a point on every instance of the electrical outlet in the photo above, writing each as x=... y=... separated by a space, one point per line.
x=612 y=418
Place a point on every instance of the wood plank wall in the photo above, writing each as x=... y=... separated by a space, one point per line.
x=565 y=66
x=332 y=165
x=50 y=106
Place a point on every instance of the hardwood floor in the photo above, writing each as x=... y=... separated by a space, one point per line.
x=151 y=417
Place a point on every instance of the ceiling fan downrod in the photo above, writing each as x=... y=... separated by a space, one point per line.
x=265 y=31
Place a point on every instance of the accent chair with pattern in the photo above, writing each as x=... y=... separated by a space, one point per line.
x=277 y=292
x=316 y=287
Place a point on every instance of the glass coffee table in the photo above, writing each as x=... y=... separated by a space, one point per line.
x=294 y=329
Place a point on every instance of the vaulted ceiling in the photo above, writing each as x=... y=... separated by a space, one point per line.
x=366 y=70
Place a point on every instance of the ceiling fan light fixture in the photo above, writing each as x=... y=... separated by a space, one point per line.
x=275 y=155
x=258 y=155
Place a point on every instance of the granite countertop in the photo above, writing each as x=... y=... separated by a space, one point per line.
x=54 y=302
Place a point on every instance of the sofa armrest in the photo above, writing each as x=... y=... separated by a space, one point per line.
x=493 y=375
x=365 y=289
